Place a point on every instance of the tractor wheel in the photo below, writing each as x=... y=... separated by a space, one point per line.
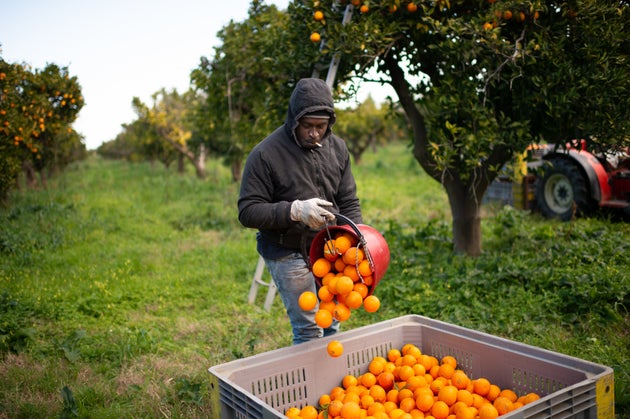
x=563 y=191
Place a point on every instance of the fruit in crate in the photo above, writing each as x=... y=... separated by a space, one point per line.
x=406 y=383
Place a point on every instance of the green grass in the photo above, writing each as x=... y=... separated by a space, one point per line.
x=123 y=283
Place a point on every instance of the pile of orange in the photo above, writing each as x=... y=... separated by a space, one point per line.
x=407 y=384
x=345 y=276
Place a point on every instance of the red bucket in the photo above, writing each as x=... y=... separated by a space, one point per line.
x=369 y=240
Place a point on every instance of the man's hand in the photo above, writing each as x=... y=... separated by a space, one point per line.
x=311 y=212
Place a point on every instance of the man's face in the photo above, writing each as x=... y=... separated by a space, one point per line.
x=310 y=131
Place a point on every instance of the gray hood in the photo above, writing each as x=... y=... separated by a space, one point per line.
x=309 y=95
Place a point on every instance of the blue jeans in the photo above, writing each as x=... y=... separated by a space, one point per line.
x=292 y=277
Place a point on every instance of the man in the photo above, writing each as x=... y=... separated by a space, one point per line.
x=294 y=182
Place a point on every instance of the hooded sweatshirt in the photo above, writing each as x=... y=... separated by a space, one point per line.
x=278 y=171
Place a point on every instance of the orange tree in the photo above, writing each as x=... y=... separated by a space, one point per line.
x=247 y=83
x=479 y=80
x=37 y=109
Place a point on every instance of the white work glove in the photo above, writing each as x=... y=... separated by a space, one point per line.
x=311 y=212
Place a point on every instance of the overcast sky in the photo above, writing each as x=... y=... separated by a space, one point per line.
x=118 y=49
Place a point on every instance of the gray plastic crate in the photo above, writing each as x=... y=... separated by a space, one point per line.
x=265 y=385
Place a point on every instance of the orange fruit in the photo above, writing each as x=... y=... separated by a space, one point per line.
x=509 y=394
x=330 y=251
x=488 y=411
x=386 y=380
x=364 y=268
x=481 y=386
x=351 y=396
x=405 y=372
x=353 y=256
x=323 y=318
x=292 y=412
x=507 y=15
x=307 y=300
x=404 y=393
x=339 y=265
x=344 y=285
x=371 y=304
x=408 y=359
x=351 y=272
x=437 y=385
x=426 y=361
x=465 y=396
x=393 y=354
x=390 y=366
x=530 y=397
x=446 y=370
x=334 y=348
x=440 y=410
x=412 y=8
x=342 y=243
x=377 y=365
x=350 y=410
x=493 y=392
x=448 y=359
x=349 y=380
x=407 y=404
x=406 y=347
x=318 y=15
x=324 y=294
x=315 y=37
x=503 y=405
x=337 y=393
x=460 y=379
x=375 y=409
x=368 y=379
x=478 y=400
x=334 y=408
x=326 y=279
x=425 y=401
x=327 y=305
x=324 y=400
x=308 y=412
x=419 y=369
x=392 y=395
x=378 y=393
x=397 y=413
x=362 y=289
x=342 y=312
x=416 y=381
x=321 y=267
x=366 y=401
x=354 y=300
x=448 y=394
x=364 y=8
x=466 y=413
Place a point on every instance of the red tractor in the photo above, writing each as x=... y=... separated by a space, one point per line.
x=573 y=181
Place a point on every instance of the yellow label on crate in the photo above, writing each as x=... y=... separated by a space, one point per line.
x=605 y=397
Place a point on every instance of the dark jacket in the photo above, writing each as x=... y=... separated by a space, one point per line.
x=279 y=171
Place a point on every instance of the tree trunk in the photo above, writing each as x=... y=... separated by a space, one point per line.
x=199 y=165
x=466 y=211
x=464 y=200
x=29 y=174
x=180 y=163
x=236 y=167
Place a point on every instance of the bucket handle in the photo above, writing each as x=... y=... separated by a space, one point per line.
x=360 y=235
